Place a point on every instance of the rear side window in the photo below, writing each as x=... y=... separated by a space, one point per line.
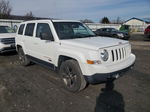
x=21 y=29
x=29 y=29
x=104 y=29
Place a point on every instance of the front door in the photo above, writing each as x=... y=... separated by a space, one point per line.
x=45 y=44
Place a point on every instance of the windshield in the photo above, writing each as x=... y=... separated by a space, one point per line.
x=6 y=29
x=72 y=30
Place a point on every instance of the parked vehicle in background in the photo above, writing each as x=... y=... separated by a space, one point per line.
x=73 y=49
x=7 y=39
x=147 y=32
x=112 y=32
x=125 y=28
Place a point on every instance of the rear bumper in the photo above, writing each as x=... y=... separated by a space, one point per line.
x=103 y=77
x=147 y=35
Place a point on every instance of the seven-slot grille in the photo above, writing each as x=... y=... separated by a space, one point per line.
x=120 y=53
x=8 y=40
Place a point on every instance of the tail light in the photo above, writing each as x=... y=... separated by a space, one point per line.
x=147 y=30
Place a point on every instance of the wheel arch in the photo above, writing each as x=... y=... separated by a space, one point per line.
x=63 y=58
x=17 y=47
x=21 y=46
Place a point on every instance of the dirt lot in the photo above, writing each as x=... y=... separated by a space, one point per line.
x=37 y=89
x=138 y=36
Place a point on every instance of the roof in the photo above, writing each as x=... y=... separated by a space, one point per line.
x=146 y=20
x=53 y=20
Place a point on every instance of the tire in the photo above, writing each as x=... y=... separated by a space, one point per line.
x=71 y=76
x=22 y=58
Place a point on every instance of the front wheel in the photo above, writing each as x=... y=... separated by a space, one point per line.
x=22 y=58
x=115 y=36
x=71 y=76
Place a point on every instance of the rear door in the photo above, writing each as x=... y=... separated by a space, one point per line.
x=108 y=32
x=20 y=37
x=29 y=39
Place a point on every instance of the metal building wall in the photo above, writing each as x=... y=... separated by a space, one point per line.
x=11 y=23
x=95 y=26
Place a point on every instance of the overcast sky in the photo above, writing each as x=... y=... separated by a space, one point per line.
x=81 y=9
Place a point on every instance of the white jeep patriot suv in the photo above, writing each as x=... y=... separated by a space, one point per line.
x=7 y=39
x=73 y=49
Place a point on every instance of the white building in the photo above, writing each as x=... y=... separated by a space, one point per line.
x=137 y=24
x=12 y=23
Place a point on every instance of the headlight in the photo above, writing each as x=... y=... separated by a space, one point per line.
x=120 y=35
x=104 y=55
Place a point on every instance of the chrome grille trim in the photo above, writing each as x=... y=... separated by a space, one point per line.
x=119 y=54
x=8 y=40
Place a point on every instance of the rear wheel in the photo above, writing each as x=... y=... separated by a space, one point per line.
x=22 y=58
x=71 y=76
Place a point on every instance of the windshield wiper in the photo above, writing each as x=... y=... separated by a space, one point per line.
x=79 y=36
x=90 y=36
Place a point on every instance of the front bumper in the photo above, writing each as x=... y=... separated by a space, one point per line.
x=97 y=74
x=7 y=48
x=125 y=37
x=104 y=77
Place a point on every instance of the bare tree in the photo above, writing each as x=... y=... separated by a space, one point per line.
x=5 y=9
x=87 y=21
x=29 y=16
x=118 y=20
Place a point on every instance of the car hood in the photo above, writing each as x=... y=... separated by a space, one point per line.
x=7 y=35
x=93 y=43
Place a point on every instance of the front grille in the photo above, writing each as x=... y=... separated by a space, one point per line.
x=120 y=53
x=8 y=40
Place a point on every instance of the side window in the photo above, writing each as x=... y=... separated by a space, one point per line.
x=43 y=31
x=29 y=29
x=108 y=30
x=20 y=31
x=104 y=29
x=99 y=30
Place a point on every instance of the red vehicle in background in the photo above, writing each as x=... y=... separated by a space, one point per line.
x=147 y=32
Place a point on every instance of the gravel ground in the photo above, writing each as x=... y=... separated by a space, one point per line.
x=138 y=36
x=37 y=89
